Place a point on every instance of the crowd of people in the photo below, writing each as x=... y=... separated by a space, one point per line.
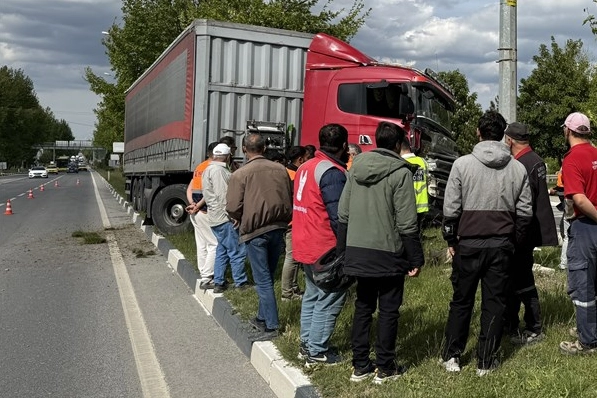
x=368 y=208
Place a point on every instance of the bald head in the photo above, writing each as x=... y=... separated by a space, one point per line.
x=253 y=144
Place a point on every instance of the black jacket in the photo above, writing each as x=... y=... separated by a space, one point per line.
x=542 y=231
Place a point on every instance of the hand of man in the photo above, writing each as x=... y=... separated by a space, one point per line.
x=192 y=208
x=451 y=251
x=413 y=273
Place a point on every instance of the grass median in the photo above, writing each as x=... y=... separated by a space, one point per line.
x=532 y=371
x=526 y=372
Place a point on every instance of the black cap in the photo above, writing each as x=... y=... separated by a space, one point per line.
x=518 y=131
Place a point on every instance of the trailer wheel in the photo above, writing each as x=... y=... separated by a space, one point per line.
x=135 y=195
x=142 y=200
x=168 y=210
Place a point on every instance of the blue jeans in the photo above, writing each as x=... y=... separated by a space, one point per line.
x=229 y=249
x=319 y=312
x=582 y=277
x=264 y=252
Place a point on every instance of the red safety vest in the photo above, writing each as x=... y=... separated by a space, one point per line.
x=312 y=234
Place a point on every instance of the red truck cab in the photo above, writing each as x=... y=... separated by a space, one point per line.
x=345 y=86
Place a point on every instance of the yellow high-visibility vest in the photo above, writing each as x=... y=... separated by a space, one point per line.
x=420 y=183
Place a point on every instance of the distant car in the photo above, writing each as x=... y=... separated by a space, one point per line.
x=72 y=168
x=38 y=171
x=52 y=169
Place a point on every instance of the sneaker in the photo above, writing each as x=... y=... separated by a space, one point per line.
x=485 y=371
x=265 y=335
x=206 y=285
x=257 y=324
x=220 y=288
x=293 y=297
x=360 y=374
x=452 y=364
x=303 y=352
x=576 y=348
x=573 y=332
x=526 y=337
x=382 y=376
x=325 y=358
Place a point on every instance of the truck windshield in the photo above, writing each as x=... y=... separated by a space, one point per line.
x=428 y=105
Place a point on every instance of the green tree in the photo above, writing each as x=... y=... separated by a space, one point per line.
x=468 y=111
x=553 y=90
x=23 y=122
x=149 y=26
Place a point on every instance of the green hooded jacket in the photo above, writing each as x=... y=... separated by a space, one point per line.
x=378 y=217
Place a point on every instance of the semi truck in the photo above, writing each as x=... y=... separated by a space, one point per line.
x=224 y=79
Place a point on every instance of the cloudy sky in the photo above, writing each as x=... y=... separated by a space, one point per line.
x=52 y=41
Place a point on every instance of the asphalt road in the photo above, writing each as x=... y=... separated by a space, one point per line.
x=70 y=327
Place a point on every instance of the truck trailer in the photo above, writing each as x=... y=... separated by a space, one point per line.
x=224 y=79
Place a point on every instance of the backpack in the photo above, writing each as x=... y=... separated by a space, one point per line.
x=328 y=272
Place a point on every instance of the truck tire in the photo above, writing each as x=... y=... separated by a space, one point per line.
x=135 y=195
x=168 y=210
x=142 y=202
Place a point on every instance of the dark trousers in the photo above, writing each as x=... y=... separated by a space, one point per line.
x=522 y=290
x=388 y=292
x=469 y=266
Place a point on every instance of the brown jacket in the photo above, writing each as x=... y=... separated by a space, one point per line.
x=260 y=196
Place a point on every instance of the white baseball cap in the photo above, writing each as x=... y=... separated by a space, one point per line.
x=221 y=149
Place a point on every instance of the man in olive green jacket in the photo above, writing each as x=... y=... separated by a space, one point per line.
x=379 y=234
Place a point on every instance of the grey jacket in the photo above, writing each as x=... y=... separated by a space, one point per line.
x=487 y=196
x=215 y=186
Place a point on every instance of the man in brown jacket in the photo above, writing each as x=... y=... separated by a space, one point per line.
x=259 y=200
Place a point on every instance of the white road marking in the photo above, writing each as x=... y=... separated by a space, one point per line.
x=153 y=383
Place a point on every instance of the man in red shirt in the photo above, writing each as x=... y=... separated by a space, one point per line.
x=579 y=170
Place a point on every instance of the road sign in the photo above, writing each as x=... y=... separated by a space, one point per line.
x=118 y=147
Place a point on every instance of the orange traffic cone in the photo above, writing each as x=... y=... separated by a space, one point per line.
x=41 y=188
x=8 y=211
x=30 y=196
x=56 y=183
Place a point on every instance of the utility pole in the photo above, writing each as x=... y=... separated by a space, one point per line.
x=507 y=60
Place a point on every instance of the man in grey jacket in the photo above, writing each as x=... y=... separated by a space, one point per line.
x=215 y=186
x=487 y=211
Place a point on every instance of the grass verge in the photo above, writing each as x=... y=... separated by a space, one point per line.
x=534 y=371
x=526 y=372
x=116 y=179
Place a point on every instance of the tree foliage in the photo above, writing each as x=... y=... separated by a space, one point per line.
x=468 y=111
x=23 y=122
x=560 y=84
x=149 y=26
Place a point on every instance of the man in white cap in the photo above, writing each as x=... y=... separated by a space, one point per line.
x=215 y=186
x=579 y=170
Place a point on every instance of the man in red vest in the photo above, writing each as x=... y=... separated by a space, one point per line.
x=318 y=185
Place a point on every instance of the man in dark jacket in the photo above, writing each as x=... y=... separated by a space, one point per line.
x=487 y=210
x=542 y=232
x=318 y=184
x=379 y=233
